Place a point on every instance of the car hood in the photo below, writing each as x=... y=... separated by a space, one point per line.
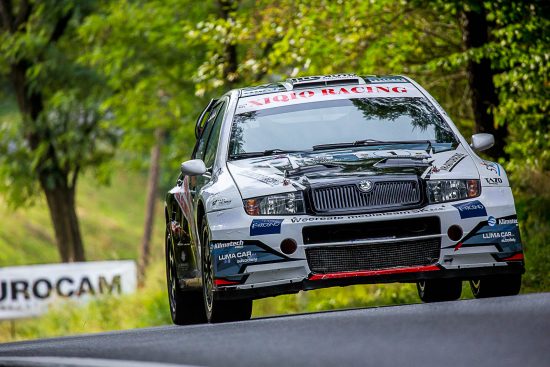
x=296 y=171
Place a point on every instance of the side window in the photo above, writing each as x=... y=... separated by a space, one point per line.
x=201 y=144
x=212 y=145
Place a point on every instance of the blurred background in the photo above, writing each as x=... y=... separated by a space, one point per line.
x=98 y=101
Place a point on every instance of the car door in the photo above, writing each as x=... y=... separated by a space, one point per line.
x=206 y=147
x=185 y=190
x=182 y=222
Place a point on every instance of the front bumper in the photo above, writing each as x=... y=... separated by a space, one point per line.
x=250 y=262
x=235 y=292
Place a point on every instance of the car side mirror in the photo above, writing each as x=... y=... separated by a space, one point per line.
x=482 y=142
x=194 y=167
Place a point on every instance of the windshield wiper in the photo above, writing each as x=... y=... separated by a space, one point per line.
x=263 y=154
x=370 y=142
x=347 y=145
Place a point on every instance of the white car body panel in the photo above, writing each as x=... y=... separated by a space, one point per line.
x=247 y=248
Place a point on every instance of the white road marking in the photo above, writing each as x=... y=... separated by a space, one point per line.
x=79 y=362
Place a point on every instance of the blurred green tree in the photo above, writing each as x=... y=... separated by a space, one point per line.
x=60 y=133
x=467 y=53
x=142 y=50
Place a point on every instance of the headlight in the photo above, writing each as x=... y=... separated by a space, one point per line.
x=280 y=204
x=450 y=190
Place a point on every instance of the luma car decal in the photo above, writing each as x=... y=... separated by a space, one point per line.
x=503 y=233
x=471 y=209
x=504 y=236
x=232 y=257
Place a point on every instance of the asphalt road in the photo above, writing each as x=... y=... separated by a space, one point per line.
x=507 y=331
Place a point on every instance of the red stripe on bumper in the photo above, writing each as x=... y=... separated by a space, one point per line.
x=368 y=273
x=224 y=282
x=513 y=257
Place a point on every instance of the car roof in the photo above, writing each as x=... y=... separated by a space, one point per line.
x=319 y=81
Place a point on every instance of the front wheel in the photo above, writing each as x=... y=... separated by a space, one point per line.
x=439 y=290
x=185 y=307
x=218 y=310
x=496 y=286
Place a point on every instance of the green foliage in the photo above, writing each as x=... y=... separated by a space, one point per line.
x=534 y=219
x=57 y=133
x=323 y=37
x=142 y=50
x=110 y=218
x=524 y=94
x=125 y=68
x=16 y=178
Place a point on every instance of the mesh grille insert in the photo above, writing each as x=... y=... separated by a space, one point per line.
x=376 y=256
x=348 y=232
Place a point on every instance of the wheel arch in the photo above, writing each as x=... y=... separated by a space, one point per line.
x=200 y=216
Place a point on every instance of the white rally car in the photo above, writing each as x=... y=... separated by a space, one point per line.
x=329 y=181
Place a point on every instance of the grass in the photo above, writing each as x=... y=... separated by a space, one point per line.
x=111 y=221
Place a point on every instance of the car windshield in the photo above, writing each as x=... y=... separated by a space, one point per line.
x=302 y=126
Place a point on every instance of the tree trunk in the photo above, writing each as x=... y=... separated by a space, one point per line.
x=152 y=188
x=230 y=65
x=61 y=203
x=54 y=179
x=60 y=196
x=475 y=33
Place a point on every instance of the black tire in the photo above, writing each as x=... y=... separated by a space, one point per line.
x=218 y=310
x=186 y=307
x=496 y=286
x=439 y=290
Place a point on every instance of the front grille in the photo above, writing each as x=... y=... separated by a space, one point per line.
x=385 y=194
x=376 y=256
x=385 y=229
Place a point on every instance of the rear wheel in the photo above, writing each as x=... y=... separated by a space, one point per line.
x=186 y=307
x=496 y=286
x=218 y=310
x=439 y=290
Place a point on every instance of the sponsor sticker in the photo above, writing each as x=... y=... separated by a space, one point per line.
x=231 y=258
x=268 y=180
x=240 y=257
x=452 y=162
x=227 y=244
x=265 y=226
x=367 y=215
x=329 y=93
x=503 y=233
x=490 y=166
x=508 y=221
x=221 y=202
x=471 y=209
x=493 y=180
x=505 y=236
